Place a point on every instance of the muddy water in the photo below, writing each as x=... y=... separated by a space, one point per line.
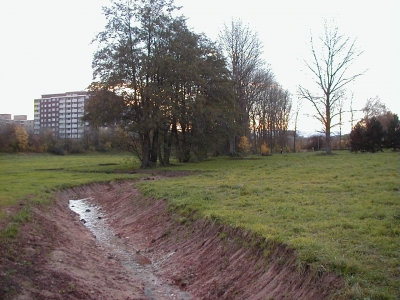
x=96 y=222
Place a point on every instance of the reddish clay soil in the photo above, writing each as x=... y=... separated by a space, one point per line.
x=56 y=257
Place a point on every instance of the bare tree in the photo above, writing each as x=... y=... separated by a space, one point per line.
x=329 y=70
x=374 y=108
x=243 y=50
x=299 y=104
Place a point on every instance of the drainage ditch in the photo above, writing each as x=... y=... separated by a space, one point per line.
x=93 y=218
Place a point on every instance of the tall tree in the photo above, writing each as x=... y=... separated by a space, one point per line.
x=154 y=77
x=297 y=111
x=329 y=69
x=243 y=49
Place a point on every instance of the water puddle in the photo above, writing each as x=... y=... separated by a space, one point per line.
x=95 y=221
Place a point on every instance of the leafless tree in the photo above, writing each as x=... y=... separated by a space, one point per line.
x=299 y=104
x=374 y=108
x=243 y=49
x=329 y=69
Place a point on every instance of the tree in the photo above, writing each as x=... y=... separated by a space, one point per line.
x=299 y=104
x=392 y=140
x=157 y=80
x=329 y=70
x=21 y=138
x=6 y=137
x=374 y=108
x=243 y=50
x=357 y=137
x=374 y=135
x=270 y=112
x=368 y=135
x=13 y=138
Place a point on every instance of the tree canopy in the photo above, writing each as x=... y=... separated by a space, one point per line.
x=163 y=83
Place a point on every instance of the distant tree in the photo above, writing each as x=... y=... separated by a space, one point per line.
x=21 y=139
x=315 y=142
x=368 y=135
x=269 y=111
x=13 y=138
x=374 y=135
x=392 y=140
x=35 y=143
x=329 y=70
x=6 y=134
x=299 y=105
x=374 y=108
x=244 y=145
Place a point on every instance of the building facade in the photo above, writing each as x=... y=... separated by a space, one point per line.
x=21 y=120
x=61 y=113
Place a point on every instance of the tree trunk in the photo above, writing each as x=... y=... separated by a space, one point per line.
x=154 y=148
x=232 y=145
x=328 y=126
x=328 y=141
x=167 y=146
x=145 y=150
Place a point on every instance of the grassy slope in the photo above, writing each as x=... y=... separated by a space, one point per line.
x=339 y=212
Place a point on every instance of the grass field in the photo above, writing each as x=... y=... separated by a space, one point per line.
x=37 y=174
x=341 y=213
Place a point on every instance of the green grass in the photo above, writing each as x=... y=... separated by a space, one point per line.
x=341 y=213
x=36 y=175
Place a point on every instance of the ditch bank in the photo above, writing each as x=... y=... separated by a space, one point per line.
x=55 y=256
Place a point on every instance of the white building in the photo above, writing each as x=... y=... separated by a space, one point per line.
x=61 y=113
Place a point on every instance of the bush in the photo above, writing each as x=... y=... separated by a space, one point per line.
x=57 y=150
x=244 y=145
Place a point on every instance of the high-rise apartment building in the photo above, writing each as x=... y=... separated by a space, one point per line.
x=61 y=113
x=21 y=120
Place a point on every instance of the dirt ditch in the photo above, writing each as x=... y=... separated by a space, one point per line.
x=56 y=256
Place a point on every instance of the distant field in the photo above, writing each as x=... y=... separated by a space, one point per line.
x=341 y=212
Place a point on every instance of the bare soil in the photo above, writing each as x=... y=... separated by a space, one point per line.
x=56 y=257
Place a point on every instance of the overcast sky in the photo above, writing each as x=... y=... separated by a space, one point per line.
x=45 y=44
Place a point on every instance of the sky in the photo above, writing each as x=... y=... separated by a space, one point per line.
x=45 y=45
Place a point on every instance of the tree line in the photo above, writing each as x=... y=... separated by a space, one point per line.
x=15 y=138
x=160 y=90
